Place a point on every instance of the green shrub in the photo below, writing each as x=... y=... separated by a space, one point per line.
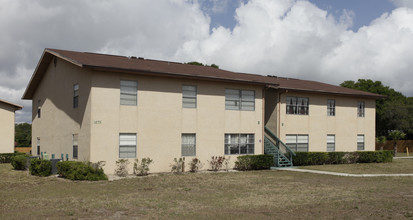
x=7 y=157
x=39 y=167
x=254 y=162
x=375 y=156
x=19 y=162
x=310 y=158
x=75 y=170
x=335 y=158
x=195 y=165
x=319 y=158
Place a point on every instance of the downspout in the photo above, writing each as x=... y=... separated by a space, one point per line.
x=263 y=120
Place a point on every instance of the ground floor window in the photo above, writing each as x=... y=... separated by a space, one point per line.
x=188 y=145
x=38 y=146
x=127 y=145
x=360 y=142
x=297 y=142
x=75 y=146
x=331 y=143
x=239 y=143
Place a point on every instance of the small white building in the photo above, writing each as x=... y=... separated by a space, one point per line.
x=7 y=111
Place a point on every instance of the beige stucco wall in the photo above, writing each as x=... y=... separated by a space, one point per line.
x=345 y=125
x=159 y=119
x=6 y=128
x=59 y=120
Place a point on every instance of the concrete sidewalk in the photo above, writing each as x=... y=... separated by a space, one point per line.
x=339 y=174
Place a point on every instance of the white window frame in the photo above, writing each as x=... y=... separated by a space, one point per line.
x=128 y=92
x=331 y=107
x=75 y=146
x=188 y=148
x=360 y=142
x=238 y=99
x=189 y=96
x=331 y=143
x=298 y=142
x=361 y=109
x=239 y=144
x=297 y=105
x=127 y=145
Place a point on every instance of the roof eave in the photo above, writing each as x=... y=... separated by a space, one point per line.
x=372 y=96
x=175 y=75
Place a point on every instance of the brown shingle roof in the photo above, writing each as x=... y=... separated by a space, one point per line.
x=16 y=106
x=104 y=62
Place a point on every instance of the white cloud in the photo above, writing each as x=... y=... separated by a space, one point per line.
x=403 y=3
x=291 y=38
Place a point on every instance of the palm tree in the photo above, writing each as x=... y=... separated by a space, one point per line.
x=396 y=135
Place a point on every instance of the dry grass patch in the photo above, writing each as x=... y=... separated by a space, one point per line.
x=397 y=166
x=235 y=195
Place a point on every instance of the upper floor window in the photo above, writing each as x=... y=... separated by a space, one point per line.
x=236 y=99
x=297 y=105
x=360 y=142
x=188 y=145
x=39 y=108
x=75 y=95
x=128 y=92
x=331 y=107
x=360 y=109
x=189 y=96
x=297 y=142
x=239 y=144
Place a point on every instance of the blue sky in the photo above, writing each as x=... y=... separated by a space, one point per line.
x=320 y=40
x=365 y=11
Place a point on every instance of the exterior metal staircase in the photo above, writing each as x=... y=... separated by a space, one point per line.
x=283 y=155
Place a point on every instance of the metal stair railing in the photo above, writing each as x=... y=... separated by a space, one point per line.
x=284 y=155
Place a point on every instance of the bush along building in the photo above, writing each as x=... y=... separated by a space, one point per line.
x=99 y=107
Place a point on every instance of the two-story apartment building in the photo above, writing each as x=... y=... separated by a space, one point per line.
x=7 y=113
x=98 y=107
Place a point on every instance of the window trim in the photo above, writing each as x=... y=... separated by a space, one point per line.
x=331 y=143
x=75 y=144
x=76 y=95
x=241 y=100
x=186 y=96
x=38 y=146
x=361 y=145
x=39 y=108
x=331 y=107
x=188 y=145
x=361 y=109
x=135 y=146
x=249 y=143
x=123 y=101
x=296 y=108
x=294 y=146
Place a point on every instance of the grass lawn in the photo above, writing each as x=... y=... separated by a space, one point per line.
x=234 y=195
x=397 y=166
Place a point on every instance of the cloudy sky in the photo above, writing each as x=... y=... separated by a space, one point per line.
x=323 y=40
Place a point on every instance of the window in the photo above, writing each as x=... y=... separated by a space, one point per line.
x=360 y=109
x=331 y=143
x=38 y=146
x=127 y=145
x=360 y=142
x=189 y=96
x=239 y=143
x=39 y=109
x=75 y=146
x=331 y=107
x=75 y=95
x=297 y=106
x=239 y=99
x=128 y=92
x=297 y=142
x=188 y=147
